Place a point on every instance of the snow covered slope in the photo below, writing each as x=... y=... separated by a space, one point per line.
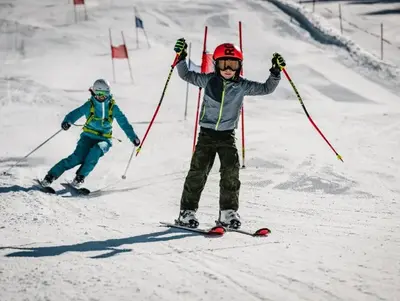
x=324 y=31
x=335 y=230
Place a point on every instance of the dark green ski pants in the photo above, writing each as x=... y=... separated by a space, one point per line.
x=209 y=144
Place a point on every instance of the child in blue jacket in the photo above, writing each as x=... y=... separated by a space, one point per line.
x=95 y=140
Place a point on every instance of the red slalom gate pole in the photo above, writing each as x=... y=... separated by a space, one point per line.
x=199 y=95
x=242 y=110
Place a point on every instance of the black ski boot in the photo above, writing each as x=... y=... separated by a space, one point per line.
x=78 y=181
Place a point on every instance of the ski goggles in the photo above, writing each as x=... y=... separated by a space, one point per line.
x=225 y=64
x=101 y=95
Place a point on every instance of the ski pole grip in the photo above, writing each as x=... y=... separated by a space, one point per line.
x=176 y=60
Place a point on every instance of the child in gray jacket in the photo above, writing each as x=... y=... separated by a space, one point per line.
x=223 y=99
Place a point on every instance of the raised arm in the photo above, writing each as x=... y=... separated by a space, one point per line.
x=195 y=78
x=256 y=88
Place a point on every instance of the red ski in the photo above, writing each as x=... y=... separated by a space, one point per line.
x=214 y=231
x=262 y=232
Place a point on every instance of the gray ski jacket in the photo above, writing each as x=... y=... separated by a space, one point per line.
x=223 y=99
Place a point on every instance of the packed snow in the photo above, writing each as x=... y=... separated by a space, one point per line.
x=335 y=226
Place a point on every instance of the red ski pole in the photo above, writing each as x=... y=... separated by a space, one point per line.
x=160 y=102
x=308 y=115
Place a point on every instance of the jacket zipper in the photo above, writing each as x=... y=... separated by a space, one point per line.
x=103 y=113
x=222 y=106
x=204 y=112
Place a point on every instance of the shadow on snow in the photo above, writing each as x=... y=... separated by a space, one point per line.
x=109 y=245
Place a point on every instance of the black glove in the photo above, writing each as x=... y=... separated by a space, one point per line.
x=136 y=142
x=65 y=125
x=180 y=48
x=278 y=62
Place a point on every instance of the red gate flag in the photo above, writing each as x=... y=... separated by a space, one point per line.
x=119 y=52
x=80 y=3
x=207 y=63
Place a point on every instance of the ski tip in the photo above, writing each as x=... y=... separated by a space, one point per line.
x=262 y=232
x=84 y=191
x=81 y=190
x=217 y=230
x=50 y=190
x=47 y=189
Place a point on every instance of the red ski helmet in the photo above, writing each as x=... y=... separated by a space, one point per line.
x=227 y=50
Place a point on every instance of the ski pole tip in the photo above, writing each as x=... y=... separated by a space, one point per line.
x=340 y=157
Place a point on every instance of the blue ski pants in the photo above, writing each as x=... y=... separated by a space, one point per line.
x=88 y=151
